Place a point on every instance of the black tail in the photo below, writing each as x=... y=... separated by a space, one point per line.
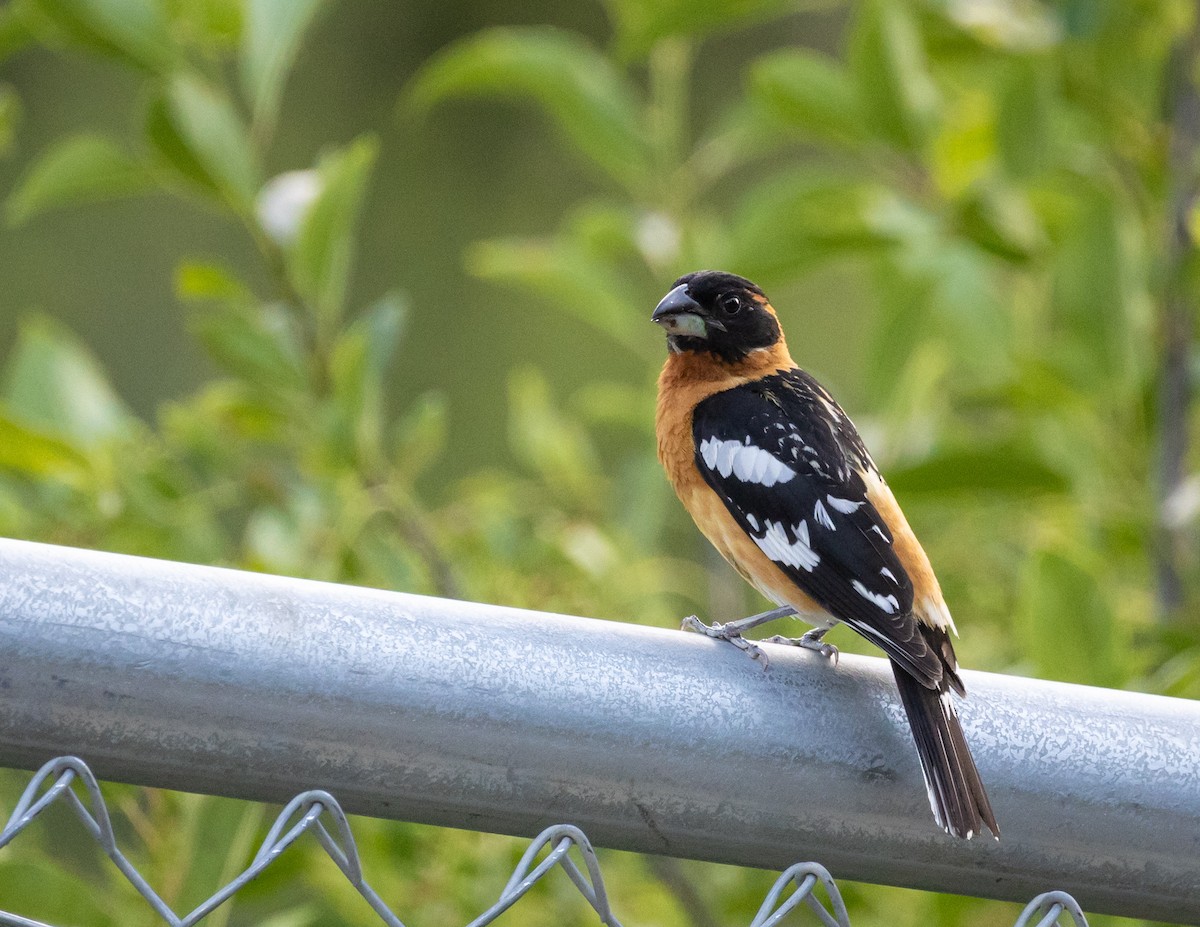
x=960 y=805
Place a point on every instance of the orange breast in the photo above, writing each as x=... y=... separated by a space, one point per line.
x=684 y=383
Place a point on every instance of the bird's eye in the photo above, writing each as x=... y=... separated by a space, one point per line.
x=731 y=305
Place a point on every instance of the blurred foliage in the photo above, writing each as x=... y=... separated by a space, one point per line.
x=994 y=178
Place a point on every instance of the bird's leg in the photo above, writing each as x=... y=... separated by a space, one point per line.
x=732 y=631
x=810 y=640
x=736 y=628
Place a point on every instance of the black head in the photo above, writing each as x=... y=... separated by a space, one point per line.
x=721 y=313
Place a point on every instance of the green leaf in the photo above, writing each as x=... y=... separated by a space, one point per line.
x=134 y=31
x=421 y=434
x=789 y=223
x=571 y=279
x=1090 y=280
x=965 y=309
x=211 y=25
x=1067 y=625
x=1015 y=27
x=256 y=343
x=81 y=169
x=54 y=383
x=271 y=39
x=321 y=256
x=745 y=132
x=810 y=93
x=381 y=327
x=361 y=357
x=15 y=31
x=38 y=454
x=640 y=24
x=197 y=131
x=592 y=103
x=550 y=443
x=999 y=219
x=997 y=470
x=610 y=230
x=1025 y=120
x=10 y=118
x=887 y=57
x=199 y=281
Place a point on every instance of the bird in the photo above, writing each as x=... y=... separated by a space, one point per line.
x=778 y=479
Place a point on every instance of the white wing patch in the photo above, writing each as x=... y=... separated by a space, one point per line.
x=845 y=506
x=797 y=553
x=821 y=514
x=887 y=603
x=748 y=462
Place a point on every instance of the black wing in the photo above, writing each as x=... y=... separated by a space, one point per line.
x=789 y=464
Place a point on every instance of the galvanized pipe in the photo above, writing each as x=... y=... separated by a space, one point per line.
x=493 y=718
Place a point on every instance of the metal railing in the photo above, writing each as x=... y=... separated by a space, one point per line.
x=650 y=740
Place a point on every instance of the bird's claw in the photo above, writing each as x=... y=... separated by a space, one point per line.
x=692 y=623
x=816 y=645
x=722 y=632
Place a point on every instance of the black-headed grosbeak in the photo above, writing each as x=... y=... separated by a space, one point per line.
x=777 y=478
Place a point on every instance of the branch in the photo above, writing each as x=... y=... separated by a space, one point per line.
x=1175 y=388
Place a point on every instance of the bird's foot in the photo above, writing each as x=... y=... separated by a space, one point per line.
x=809 y=641
x=726 y=632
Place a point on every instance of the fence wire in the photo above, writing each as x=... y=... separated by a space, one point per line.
x=317 y=812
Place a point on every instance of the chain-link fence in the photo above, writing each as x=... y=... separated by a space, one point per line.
x=318 y=813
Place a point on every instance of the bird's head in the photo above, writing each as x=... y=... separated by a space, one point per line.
x=720 y=313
